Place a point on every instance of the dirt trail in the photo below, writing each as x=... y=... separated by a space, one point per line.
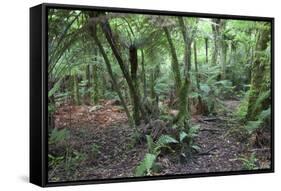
x=218 y=152
x=117 y=156
x=106 y=128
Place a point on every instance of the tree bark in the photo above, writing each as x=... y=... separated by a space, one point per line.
x=216 y=32
x=200 y=105
x=218 y=27
x=258 y=76
x=134 y=91
x=206 y=49
x=75 y=85
x=96 y=83
x=175 y=62
x=88 y=94
x=114 y=80
x=143 y=75
x=133 y=57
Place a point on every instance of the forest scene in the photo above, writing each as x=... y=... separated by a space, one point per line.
x=134 y=95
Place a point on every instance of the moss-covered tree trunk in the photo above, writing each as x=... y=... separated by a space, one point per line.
x=96 y=84
x=215 y=30
x=75 y=86
x=222 y=48
x=133 y=58
x=143 y=75
x=88 y=94
x=258 y=76
x=96 y=78
x=93 y=30
x=175 y=62
x=113 y=79
x=200 y=103
x=206 y=50
x=134 y=89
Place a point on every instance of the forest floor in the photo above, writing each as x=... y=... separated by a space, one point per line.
x=102 y=135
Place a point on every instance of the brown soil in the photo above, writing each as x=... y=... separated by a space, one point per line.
x=118 y=155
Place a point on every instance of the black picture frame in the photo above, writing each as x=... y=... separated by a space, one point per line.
x=39 y=102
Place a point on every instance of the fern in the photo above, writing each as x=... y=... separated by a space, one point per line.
x=183 y=135
x=262 y=96
x=253 y=125
x=265 y=114
x=262 y=118
x=58 y=136
x=166 y=139
x=54 y=89
x=150 y=144
x=145 y=166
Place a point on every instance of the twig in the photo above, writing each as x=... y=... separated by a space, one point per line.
x=259 y=149
x=207 y=152
x=211 y=119
x=210 y=129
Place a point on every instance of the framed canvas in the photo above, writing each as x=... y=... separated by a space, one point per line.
x=121 y=95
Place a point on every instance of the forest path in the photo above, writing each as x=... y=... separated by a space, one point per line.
x=218 y=152
x=102 y=134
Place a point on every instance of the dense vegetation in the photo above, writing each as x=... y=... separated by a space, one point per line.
x=140 y=95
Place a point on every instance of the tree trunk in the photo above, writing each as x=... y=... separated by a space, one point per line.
x=175 y=62
x=206 y=48
x=88 y=85
x=216 y=28
x=133 y=58
x=187 y=37
x=134 y=90
x=143 y=75
x=96 y=83
x=199 y=105
x=258 y=76
x=223 y=54
x=114 y=80
x=75 y=85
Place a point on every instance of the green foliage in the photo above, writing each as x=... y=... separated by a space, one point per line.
x=249 y=163
x=193 y=131
x=51 y=108
x=162 y=85
x=205 y=88
x=144 y=168
x=261 y=98
x=166 y=139
x=54 y=160
x=251 y=126
x=154 y=149
x=54 y=89
x=162 y=143
x=73 y=160
x=263 y=118
x=95 y=150
x=265 y=114
x=212 y=90
x=183 y=135
x=186 y=139
x=166 y=76
x=242 y=109
x=57 y=136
